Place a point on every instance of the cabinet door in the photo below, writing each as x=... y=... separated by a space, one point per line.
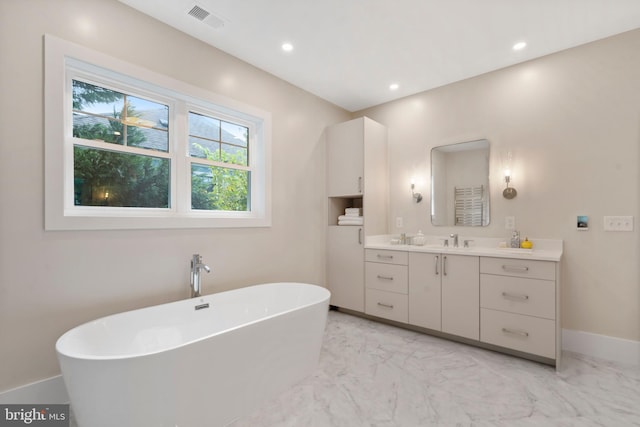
x=425 y=271
x=345 y=159
x=345 y=266
x=376 y=178
x=461 y=295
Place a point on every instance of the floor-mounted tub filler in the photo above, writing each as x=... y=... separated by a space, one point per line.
x=204 y=361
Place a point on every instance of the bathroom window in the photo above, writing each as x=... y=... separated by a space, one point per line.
x=134 y=149
x=120 y=149
x=220 y=175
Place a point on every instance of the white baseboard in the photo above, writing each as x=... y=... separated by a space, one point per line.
x=49 y=391
x=602 y=346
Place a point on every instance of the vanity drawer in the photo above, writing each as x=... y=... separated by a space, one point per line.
x=388 y=305
x=518 y=332
x=532 y=297
x=387 y=257
x=386 y=277
x=518 y=268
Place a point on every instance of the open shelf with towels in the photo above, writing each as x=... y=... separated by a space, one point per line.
x=338 y=205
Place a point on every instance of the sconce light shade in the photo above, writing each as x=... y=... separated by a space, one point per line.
x=509 y=192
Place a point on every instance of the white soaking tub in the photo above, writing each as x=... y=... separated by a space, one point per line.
x=199 y=362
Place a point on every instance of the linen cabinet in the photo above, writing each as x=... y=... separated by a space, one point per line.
x=356 y=171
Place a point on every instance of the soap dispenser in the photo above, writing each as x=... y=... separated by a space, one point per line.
x=526 y=244
x=419 y=239
x=515 y=239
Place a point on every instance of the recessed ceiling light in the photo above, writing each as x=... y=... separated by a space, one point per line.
x=287 y=47
x=394 y=86
x=519 y=45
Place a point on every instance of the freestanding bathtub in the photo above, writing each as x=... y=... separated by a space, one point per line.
x=200 y=362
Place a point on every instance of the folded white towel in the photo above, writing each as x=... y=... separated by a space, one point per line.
x=354 y=221
x=352 y=211
x=350 y=217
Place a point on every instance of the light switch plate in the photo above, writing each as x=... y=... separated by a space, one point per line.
x=618 y=223
x=399 y=222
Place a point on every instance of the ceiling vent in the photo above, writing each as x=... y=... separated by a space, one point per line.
x=205 y=16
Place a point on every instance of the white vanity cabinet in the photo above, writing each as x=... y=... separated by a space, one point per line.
x=387 y=284
x=434 y=291
x=356 y=171
x=345 y=272
x=505 y=301
x=425 y=270
x=518 y=305
x=461 y=295
x=444 y=293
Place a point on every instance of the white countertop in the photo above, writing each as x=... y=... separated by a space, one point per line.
x=543 y=249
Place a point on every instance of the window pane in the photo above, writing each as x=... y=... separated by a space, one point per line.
x=152 y=139
x=233 y=154
x=204 y=126
x=101 y=114
x=95 y=99
x=108 y=178
x=204 y=148
x=97 y=128
x=235 y=134
x=218 y=188
x=217 y=140
x=148 y=113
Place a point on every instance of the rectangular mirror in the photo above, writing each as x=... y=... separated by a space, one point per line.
x=460 y=184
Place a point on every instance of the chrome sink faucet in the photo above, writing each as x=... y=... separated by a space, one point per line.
x=196 y=266
x=455 y=239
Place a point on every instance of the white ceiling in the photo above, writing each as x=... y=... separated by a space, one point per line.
x=349 y=51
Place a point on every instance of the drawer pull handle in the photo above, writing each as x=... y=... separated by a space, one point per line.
x=385 y=256
x=437 y=259
x=515 y=296
x=515 y=332
x=385 y=305
x=520 y=268
x=384 y=277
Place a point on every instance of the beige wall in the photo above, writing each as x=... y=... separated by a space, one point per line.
x=52 y=281
x=571 y=121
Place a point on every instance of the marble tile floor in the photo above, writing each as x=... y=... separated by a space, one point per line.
x=371 y=374
x=375 y=375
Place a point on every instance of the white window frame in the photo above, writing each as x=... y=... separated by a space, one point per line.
x=65 y=61
x=252 y=146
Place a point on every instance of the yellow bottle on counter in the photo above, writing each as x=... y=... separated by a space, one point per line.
x=526 y=244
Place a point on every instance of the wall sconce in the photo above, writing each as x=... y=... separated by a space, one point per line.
x=416 y=196
x=509 y=192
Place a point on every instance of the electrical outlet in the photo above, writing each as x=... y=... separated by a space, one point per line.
x=618 y=223
x=510 y=222
x=399 y=222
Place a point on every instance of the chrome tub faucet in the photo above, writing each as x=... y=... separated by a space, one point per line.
x=196 y=266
